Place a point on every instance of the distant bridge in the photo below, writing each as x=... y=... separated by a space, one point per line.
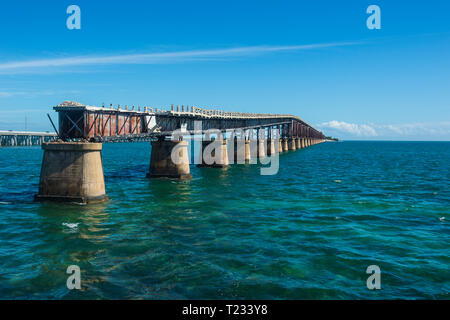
x=25 y=138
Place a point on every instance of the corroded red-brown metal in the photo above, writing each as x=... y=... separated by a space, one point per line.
x=113 y=130
x=91 y=127
x=102 y=122
x=132 y=123
x=106 y=125
x=137 y=128
x=120 y=124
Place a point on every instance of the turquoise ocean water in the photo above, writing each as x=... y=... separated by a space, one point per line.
x=308 y=232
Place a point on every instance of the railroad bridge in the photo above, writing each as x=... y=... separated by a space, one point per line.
x=72 y=168
x=24 y=138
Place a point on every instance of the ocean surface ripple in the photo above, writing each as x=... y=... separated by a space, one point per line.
x=309 y=232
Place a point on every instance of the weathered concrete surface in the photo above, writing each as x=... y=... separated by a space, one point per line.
x=163 y=166
x=292 y=144
x=248 y=153
x=72 y=172
x=285 y=145
x=261 y=148
x=299 y=143
x=241 y=149
x=280 y=145
x=271 y=143
x=210 y=158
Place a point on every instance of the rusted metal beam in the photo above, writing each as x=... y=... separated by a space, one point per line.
x=74 y=124
x=165 y=122
x=53 y=125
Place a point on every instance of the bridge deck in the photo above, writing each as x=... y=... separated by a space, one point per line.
x=24 y=138
x=78 y=121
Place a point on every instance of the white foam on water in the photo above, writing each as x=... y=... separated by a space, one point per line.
x=1 y=202
x=337 y=181
x=70 y=225
x=79 y=203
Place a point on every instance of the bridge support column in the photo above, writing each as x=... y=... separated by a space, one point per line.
x=241 y=151
x=271 y=146
x=299 y=143
x=292 y=144
x=163 y=166
x=303 y=142
x=261 y=148
x=285 y=145
x=72 y=172
x=280 y=145
x=212 y=160
x=247 y=154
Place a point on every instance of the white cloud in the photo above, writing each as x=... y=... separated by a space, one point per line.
x=436 y=128
x=359 y=130
x=7 y=93
x=155 y=58
x=418 y=130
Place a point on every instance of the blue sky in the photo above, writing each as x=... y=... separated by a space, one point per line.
x=314 y=59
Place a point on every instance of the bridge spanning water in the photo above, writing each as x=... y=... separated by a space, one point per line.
x=72 y=167
x=25 y=138
x=100 y=124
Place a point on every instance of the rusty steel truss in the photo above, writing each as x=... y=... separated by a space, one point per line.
x=103 y=124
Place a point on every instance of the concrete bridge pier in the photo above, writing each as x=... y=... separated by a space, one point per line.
x=271 y=143
x=292 y=144
x=285 y=145
x=214 y=154
x=261 y=148
x=72 y=172
x=299 y=143
x=247 y=151
x=169 y=159
x=241 y=150
x=260 y=143
x=280 y=145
